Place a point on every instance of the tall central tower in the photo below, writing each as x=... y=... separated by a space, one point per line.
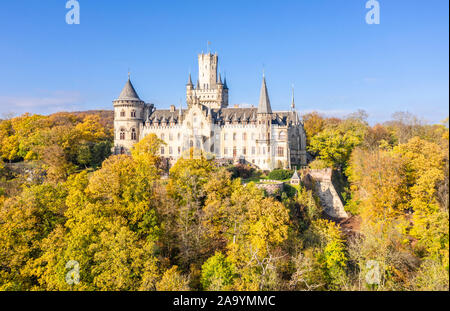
x=210 y=91
x=207 y=70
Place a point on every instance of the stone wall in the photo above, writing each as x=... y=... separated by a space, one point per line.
x=321 y=182
x=271 y=188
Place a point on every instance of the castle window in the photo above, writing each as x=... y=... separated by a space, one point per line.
x=162 y=150
x=245 y=151
x=179 y=150
x=282 y=135
x=280 y=152
x=253 y=150
x=170 y=150
x=162 y=136
x=122 y=134
x=133 y=134
x=234 y=136
x=133 y=113
x=225 y=151
x=170 y=136
x=122 y=113
x=234 y=152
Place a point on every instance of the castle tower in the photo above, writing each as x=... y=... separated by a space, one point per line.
x=264 y=117
x=129 y=112
x=210 y=91
x=207 y=70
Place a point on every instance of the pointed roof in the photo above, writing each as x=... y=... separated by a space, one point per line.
x=295 y=176
x=219 y=80
x=190 y=80
x=128 y=92
x=264 y=102
x=225 y=86
x=293 y=100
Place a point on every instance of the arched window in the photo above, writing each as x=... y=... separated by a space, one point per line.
x=282 y=135
x=133 y=113
x=163 y=136
x=122 y=113
x=280 y=152
x=133 y=134
x=122 y=134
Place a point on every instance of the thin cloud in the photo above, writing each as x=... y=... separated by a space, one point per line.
x=329 y=113
x=47 y=102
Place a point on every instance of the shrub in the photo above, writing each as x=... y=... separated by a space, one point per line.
x=280 y=174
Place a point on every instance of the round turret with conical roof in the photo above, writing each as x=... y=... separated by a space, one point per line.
x=129 y=111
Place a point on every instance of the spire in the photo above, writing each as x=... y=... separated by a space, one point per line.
x=264 y=102
x=293 y=101
x=198 y=84
x=225 y=86
x=190 y=80
x=219 y=80
x=128 y=92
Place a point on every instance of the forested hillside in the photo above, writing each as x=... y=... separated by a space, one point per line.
x=64 y=199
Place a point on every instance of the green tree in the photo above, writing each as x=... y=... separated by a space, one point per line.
x=217 y=273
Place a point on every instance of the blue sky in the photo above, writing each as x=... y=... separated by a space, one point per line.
x=336 y=61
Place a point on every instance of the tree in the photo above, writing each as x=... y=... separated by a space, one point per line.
x=25 y=221
x=172 y=280
x=217 y=273
x=313 y=124
x=334 y=145
x=332 y=256
x=186 y=187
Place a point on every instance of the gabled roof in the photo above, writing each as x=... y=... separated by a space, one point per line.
x=295 y=176
x=264 y=102
x=128 y=92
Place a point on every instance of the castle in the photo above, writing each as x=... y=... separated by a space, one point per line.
x=259 y=136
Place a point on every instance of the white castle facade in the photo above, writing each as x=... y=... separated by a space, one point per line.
x=259 y=136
